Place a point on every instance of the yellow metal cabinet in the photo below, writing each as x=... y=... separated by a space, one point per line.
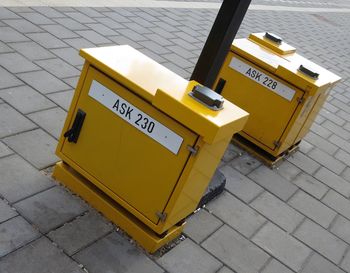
x=282 y=91
x=137 y=146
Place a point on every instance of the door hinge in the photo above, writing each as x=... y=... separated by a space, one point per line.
x=161 y=215
x=277 y=143
x=300 y=100
x=193 y=150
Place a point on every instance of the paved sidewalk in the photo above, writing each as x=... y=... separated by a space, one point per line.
x=292 y=219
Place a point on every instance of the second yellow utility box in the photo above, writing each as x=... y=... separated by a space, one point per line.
x=281 y=90
x=141 y=144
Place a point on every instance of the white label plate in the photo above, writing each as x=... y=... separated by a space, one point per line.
x=135 y=117
x=262 y=79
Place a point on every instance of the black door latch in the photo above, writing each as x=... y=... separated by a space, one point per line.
x=73 y=133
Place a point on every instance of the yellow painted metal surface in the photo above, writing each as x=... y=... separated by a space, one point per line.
x=158 y=186
x=283 y=102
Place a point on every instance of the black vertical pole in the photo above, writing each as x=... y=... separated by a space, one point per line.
x=220 y=38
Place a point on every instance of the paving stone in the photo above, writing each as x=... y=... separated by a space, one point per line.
x=72 y=81
x=236 y=214
x=19 y=179
x=80 y=17
x=102 y=29
x=338 y=130
x=282 y=246
x=287 y=170
x=341 y=228
x=70 y=24
x=338 y=203
x=305 y=146
x=332 y=180
x=311 y=185
x=37 y=18
x=320 y=265
x=35 y=146
x=332 y=117
x=245 y=164
x=240 y=185
x=15 y=233
x=46 y=40
x=9 y=35
x=38 y=256
x=277 y=211
x=58 y=68
x=312 y=208
x=230 y=153
x=81 y=232
x=93 y=37
x=343 y=144
x=343 y=156
x=6 y=212
x=7 y=14
x=180 y=61
x=4 y=48
x=48 y=11
x=320 y=130
x=321 y=143
x=31 y=50
x=70 y=55
x=7 y=126
x=235 y=251
x=345 y=264
x=303 y=162
x=25 y=99
x=15 y=63
x=200 y=225
x=276 y=267
x=51 y=120
x=328 y=161
x=321 y=240
x=22 y=25
x=346 y=174
x=60 y=31
x=51 y=208
x=43 y=81
x=62 y=99
x=114 y=253
x=273 y=182
x=4 y=150
x=158 y=49
x=7 y=79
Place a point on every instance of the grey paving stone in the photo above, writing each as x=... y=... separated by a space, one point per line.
x=22 y=25
x=25 y=99
x=4 y=150
x=43 y=81
x=320 y=130
x=114 y=253
x=60 y=31
x=6 y=212
x=180 y=61
x=9 y=35
x=273 y=182
x=38 y=256
x=31 y=50
x=236 y=214
x=225 y=269
x=287 y=170
x=245 y=163
x=49 y=11
x=275 y=266
x=312 y=208
x=7 y=126
x=80 y=17
x=62 y=99
x=46 y=40
x=320 y=265
x=343 y=144
x=72 y=81
x=4 y=48
x=7 y=79
x=334 y=181
x=341 y=228
x=345 y=264
x=277 y=211
x=153 y=46
x=37 y=18
x=70 y=55
x=282 y=246
x=321 y=143
x=71 y=24
x=328 y=161
x=79 y=43
x=305 y=146
x=93 y=36
x=200 y=225
x=15 y=233
x=102 y=29
x=51 y=120
x=321 y=240
x=332 y=117
x=336 y=129
x=240 y=185
x=343 y=156
x=15 y=63
x=235 y=251
x=346 y=174
x=51 y=208
x=81 y=232
x=35 y=146
x=303 y=162
x=311 y=185
x=7 y=14
x=337 y=202
x=230 y=153
x=19 y=179
x=58 y=68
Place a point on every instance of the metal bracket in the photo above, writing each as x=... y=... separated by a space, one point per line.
x=161 y=215
x=193 y=150
x=300 y=100
x=277 y=143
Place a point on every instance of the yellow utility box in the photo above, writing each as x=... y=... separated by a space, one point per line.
x=141 y=144
x=281 y=90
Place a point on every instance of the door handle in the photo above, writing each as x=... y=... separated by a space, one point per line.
x=73 y=133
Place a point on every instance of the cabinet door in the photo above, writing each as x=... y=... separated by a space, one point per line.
x=126 y=151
